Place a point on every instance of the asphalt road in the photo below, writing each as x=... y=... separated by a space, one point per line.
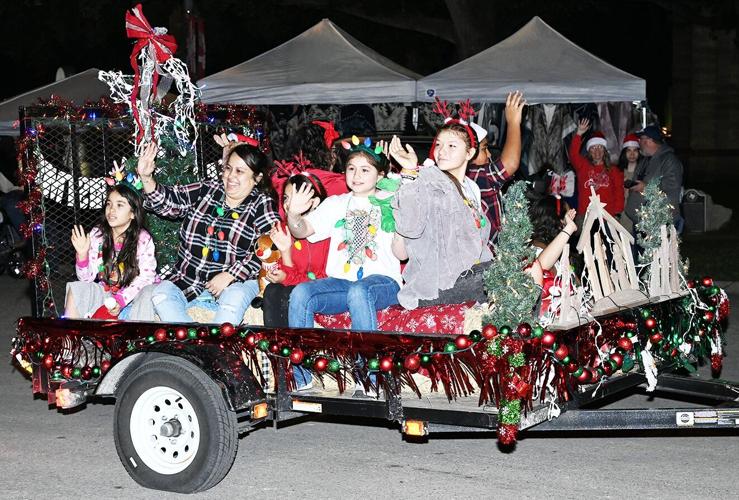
x=48 y=454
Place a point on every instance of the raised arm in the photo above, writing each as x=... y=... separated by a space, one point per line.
x=510 y=157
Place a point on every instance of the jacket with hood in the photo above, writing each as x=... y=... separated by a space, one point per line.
x=666 y=166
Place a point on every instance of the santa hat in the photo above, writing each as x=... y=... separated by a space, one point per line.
x=630 y=141
x=597 y=139
x=480 y=132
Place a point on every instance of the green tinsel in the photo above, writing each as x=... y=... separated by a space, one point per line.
x=510 y=412
x=512 y=292
x=517 y=360
x=172 y=168
x=654 y=213
x=495 y=348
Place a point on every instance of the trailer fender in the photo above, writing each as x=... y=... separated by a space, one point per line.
x=236 y=380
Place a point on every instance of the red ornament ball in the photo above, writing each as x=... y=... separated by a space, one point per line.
x=489 y=332
x=618 y=358
x=87 y=373
x=296 y=356
x=585 y=376
x=386 y=364
x=625 y=343
x=48 y=361
x=160 y=334
x=548 y=339
x=202 y=332
x=561 y=352
x=524 y=329
x=227 y=329
x=708 y=316
x=105 y=365
x=412 y=362
x=67 y=371
x=691 y=283
x=274 y=347
x=180 y=333
x=571 y=367
x=320 y=364
x=251 y=340
x=655 y=338
x=707 y=281
x=650 y=323
x=462 y=342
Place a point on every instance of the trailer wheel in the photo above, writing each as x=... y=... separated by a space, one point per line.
x=173 y=430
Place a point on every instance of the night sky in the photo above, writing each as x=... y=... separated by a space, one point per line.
x=41 y=35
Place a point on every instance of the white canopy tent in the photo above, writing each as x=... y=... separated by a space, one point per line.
x=323 y=65
x=548 y=67
x=78 y=88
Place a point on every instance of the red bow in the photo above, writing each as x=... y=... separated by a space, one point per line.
x=137 y=27
x=287 y=168
x=329 y=132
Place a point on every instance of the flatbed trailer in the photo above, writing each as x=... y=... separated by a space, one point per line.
x=185 y=393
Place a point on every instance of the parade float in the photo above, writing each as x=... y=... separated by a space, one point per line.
x=529 y=360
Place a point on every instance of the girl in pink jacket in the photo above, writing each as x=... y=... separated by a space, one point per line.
x=114 y=261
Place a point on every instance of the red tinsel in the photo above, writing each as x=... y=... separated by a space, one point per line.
x=717 y=362
x=507 y=434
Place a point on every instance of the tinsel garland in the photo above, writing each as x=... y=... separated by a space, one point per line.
x=513 y=368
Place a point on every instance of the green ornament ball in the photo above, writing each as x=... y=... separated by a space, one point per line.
x=76 y=373
x=645 y=313
x=505 y=330
x=285 y=351
x=214 y=331
x=263 y=345
x=475 y=335
x=537 y=331
x=334 y=366
x=425 y=359
x=373 y=364
x=192 y=333
x=449 y=347
x=95 y=371
x=150 y=339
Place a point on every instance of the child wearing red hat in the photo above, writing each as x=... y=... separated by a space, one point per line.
x=594 y=171
x=627 y=161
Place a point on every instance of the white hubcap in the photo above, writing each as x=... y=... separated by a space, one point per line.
x=164 y=430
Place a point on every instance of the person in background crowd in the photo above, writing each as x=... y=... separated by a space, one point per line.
x=489 y=175
x=630 y=156
x=314 y=142
x=594 y=171
x=661 y=162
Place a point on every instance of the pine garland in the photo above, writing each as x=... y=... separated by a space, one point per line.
x=172 y=168
x=512 y=291
x=654 y=213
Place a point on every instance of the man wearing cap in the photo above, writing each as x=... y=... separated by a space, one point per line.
x=490 y=176
x=659 y=162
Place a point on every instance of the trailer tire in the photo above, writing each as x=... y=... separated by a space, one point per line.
x=173 y=430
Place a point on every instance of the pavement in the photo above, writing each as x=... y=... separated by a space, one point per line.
x=45 y=453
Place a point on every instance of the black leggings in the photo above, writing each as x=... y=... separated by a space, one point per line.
x=469 y=286
x=275 y=305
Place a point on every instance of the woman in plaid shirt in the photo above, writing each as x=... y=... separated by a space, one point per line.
x=221 y=221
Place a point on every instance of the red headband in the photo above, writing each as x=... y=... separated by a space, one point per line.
x=329 y=132
x=233 y=137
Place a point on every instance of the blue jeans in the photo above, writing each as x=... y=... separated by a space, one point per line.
x=361 y=298
x=171 y=304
